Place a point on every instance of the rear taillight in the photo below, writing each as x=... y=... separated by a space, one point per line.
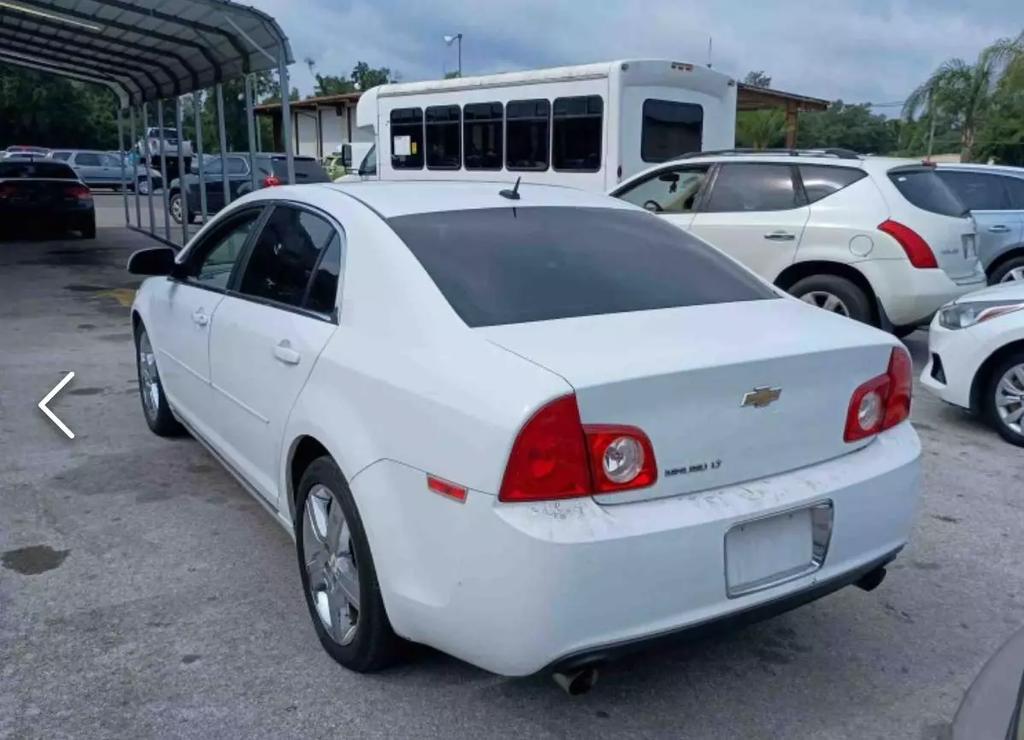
x=556 y=457
x=917 y=249
x=80 y=192
x=882 y=402
x=271 y=181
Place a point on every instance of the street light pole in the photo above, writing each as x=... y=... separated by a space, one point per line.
x=449 y=40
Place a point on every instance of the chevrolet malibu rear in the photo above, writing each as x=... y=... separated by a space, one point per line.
x=540 y=427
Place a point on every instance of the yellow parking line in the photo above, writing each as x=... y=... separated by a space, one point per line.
x=124 y=296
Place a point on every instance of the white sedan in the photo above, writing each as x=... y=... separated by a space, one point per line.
x=530 y=428
x=976 y=356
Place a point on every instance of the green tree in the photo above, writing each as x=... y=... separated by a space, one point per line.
x=757 y=78
x=964 y=92
x=760 y=129
x=332 y=85
x=1001 y=136
x=366 y=76
x=846 y=126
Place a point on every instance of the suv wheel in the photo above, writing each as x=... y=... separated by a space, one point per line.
x=1008 y=271
x=835 y=294
x=179 y=210
x=338 y=577
x=1004 y=399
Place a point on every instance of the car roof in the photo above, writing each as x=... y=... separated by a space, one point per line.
x=390 y=199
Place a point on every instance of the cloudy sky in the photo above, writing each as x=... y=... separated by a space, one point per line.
x=856 y=50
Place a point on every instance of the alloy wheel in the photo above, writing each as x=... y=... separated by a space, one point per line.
x=143 y=187
x=176 y=209
x=331 y=567
x=1017 y=273
x=826 y=301
x=150 y=387
x=1010 y=399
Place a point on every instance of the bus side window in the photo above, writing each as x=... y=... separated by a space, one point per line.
x=527 y=134
x=443 y=138
x=577 y=133
x=407 y=139
x=482 y=135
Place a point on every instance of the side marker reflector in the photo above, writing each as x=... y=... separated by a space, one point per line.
x=443 y=487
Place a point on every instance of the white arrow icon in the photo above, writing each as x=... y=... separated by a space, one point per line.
x=49 y=397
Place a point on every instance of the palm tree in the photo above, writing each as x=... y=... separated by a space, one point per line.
x=963 y=91
x=760 y=129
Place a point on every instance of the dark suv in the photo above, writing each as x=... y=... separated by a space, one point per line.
x=271 y=169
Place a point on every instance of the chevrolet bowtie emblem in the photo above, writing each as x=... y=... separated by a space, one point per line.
x=761 y=397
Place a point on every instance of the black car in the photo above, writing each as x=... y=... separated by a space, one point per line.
x=43 y=195
x=271 y=169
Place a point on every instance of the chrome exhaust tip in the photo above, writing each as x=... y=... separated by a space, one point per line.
x=577 y=683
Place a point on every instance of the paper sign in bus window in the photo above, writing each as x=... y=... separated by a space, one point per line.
x=402 y=146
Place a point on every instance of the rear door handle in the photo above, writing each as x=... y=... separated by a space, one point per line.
x=999 y=229
x=780 y=236
x=284 y=352
x=200 y=318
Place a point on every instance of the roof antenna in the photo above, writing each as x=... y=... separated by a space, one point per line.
x=512 y=194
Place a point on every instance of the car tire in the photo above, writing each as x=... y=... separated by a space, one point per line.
x=155 y=408
x=89 y=230
x=339 y=580
x=143 y=186
x=835 y=294
x=1006 y=383
x=1012 y=269
x=179 y=210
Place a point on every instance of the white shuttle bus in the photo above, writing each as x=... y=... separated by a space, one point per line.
x=588 y=126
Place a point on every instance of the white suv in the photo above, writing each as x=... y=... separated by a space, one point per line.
x=881 y=240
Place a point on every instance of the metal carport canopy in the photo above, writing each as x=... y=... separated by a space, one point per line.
x=146 y=50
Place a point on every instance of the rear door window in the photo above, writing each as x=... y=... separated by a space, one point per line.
x=744 y=186
x=923 y=187
x=514 y=265
x=88 y=159
x=1015 y=186
x=670 y=129
x=285 y=256
x=821 y=181
x=978 y=191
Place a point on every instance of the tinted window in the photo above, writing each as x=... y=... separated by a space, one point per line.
x=529 y=130
x=483 y=136
x=669 y=191
x=979 y=192
x=217 y=255
x=820 y=181
x=577 y=133
x=53 y=170
x=87 y=159
x=443 y=138
x=306 y=169
x=1016 y=187
x=513 y=265
x=753 y=187
x=407 y=139
x=926 y=190
x=670 y=130
x=285 y=255
x=323 y=292
x=62 y=156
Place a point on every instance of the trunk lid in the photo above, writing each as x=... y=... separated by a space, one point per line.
x=690 y=379
x=928 y=206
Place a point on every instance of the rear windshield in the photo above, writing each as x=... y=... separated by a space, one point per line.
x=306 y=170
x=514 y=265
x=923 y=187
x=36 y=169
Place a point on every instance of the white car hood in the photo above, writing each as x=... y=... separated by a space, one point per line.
x=1012 y=291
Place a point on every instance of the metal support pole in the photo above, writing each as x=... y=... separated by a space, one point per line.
x=181 y=164
x=286 y=118
x=121 y=156
x=163 y=172
x=223 y=138
x=250 y=120
x=200 y=164
x=149 y=173
x=259 y=136
x=135 y=174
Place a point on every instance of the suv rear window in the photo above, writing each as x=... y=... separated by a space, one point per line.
x=306 y=170
x=923 y=187
x=515 y=265
x=53 y=170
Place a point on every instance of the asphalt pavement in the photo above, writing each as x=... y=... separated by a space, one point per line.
x=143 y=593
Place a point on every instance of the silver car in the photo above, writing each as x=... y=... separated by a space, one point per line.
x=103 y=169
x=995 y=197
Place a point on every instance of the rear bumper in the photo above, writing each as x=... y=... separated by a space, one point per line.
x=517 y=588
x=909 y=296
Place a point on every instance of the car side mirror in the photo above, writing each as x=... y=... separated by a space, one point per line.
x=154 y=261
x=669 y=177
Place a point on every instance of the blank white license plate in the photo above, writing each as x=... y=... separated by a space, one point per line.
x=765 y=552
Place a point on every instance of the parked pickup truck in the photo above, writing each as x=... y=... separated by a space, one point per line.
x=271 y=169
